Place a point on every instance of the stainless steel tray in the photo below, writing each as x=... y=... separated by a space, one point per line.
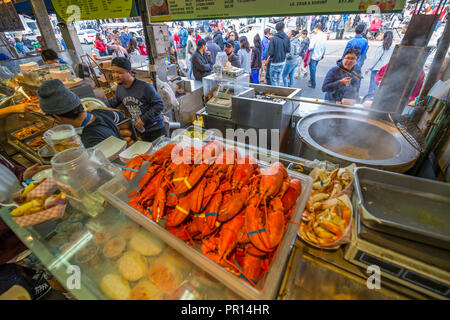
x=40 y=126
x=409 y=207
x=116 y=191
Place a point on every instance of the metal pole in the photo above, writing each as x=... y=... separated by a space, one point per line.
x=439 y=58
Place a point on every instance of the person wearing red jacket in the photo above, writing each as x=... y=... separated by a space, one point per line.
x=141 y=46
x=100 y=45
x=416 y=91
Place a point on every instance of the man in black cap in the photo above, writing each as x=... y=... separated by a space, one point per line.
x=140 y=98
x=232 y=58
x=65 y=106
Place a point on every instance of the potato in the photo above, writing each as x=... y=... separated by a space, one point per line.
x=125 y=133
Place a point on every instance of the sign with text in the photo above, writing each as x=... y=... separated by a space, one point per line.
x=10 y=20
x=75 y=10
x=167 y=10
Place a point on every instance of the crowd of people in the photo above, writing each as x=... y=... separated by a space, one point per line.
x=279 y=56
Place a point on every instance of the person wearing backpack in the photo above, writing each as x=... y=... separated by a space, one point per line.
x=183 y=36
x=292 y=59
x=382 y=57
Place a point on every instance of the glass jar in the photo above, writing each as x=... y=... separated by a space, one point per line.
x=79 y=173
x=62 y=137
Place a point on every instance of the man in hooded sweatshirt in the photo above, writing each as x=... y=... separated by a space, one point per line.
x=343 y=80
x=217 y=38
x=279 y=46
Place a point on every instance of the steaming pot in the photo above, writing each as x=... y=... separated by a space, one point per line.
x=346 y=137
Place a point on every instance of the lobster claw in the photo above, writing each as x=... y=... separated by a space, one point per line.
x=131 y=169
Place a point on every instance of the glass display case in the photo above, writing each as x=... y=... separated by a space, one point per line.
x=112 y=257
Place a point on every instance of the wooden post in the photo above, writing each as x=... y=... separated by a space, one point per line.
x=145 y=23
x=45 y=26
x=70 y=36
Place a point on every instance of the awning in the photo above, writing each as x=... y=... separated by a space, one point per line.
x=24 y=7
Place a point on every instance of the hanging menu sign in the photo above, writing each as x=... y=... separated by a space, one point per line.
x=10 y=20
x=76 y=10
x=168 y=10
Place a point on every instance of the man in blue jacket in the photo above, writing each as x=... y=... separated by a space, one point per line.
x=344 y=79
x=140 y=98
x=125 y=37
x=360 y=42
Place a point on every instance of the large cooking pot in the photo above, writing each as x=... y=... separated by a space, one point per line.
x=346 y=137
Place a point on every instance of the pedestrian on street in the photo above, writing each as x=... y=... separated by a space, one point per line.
x=340 y=27
x=382 y=57
x=217 y=35
x=27 y=43
x=212 y=47
x=359 y=42
x=304 y=47
x=100 y=45
x=19 y=46
x=201 y=61
x=292 y=59
x=190 y=50
x=245 y=55
x=125 y=37
x=318 y=48
x=232 y=58
x=279 y=46
x=182 y=35
x=256 y=59
x=234 y=36
x=141 y=46
x=343 y=80
x=375 y=26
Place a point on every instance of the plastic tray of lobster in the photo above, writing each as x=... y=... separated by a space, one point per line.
x=231 y=215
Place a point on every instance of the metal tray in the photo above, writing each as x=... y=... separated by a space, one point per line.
x=116 y=191
x=40 y=126
x=409 y=207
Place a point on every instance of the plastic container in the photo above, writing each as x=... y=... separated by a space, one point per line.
x=139 y=147
x=116 y=192
x=111 y=147
x=62 y=137
x=79 y=172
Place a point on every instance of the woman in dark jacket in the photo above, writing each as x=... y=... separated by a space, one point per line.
x=201 y=61
x=256 y=64
x=343 y=80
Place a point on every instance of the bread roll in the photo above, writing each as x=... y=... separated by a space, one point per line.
x=146 y=290
x=114 y=247
x=146 y=244
x=115 y=287
x=132 y=265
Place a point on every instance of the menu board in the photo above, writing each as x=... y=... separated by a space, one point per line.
x=10 y=20
x=76 y=10
x=167 y=10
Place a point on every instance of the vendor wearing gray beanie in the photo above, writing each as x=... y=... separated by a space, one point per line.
x=140 y=98
x=65 y=106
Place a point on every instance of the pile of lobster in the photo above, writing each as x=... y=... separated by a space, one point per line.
x=219 y=199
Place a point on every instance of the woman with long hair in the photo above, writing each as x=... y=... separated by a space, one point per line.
x=382 y=57
x=100 y=45
x=132 y=47
x=245 y=55
x=256 y=63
